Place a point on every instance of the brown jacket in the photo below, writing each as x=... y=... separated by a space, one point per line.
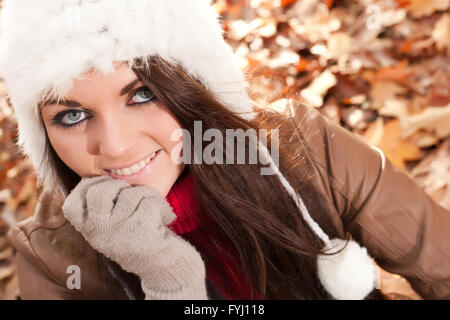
x=403 y=229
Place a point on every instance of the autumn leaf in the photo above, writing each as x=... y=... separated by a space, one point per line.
x=432 y=119
x=285 y=3
x=397 y=73
x=433 y=174
x=421 y=8
x=388 y=138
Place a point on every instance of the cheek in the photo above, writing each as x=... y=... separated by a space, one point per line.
x=163 y=127
x=164 y=175
x=68 y=150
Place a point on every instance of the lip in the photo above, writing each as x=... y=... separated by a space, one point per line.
x=137 y=175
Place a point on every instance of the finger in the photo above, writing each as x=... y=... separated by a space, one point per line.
x=129 y=198
x=161 y=205
x=74 y=207
x=157 y=209
x=102 y=196
x=168 y=216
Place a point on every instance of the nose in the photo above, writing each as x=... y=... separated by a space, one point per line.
x=115 y=137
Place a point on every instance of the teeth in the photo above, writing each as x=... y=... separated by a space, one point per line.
x=126 y=171
x=135 y=168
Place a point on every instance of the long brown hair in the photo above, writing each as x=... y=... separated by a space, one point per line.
x=276 y=249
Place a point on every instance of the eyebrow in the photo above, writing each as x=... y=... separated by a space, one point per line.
x=74 y=104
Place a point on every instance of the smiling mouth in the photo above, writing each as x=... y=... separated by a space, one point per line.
x=136 y=168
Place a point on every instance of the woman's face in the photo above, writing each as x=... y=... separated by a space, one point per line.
x=113 y=122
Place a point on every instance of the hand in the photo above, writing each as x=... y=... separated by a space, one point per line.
x=127 y=224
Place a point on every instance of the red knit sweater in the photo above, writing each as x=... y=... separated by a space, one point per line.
x=221 y=265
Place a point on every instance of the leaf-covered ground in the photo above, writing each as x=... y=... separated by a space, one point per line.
x=378 y=68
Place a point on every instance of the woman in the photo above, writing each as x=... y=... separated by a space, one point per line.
x=101 y=87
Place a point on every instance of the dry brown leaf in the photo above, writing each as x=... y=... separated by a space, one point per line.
x=382 y=91
x=316 y=27
x=284 y=58
x=434 y=119
x=433 y=174
x=349 y=90
x=388 y=138
x=331 y=110
x=339 y=44
x=6 y=253
x=397 y=73
x=267 y=28
x=391 y=17
x=302 y=65
x=440 y=33
x=7 y=271
x=422 y=8
x=239 y=29
x=285 y=3
x=357 y=118
x=395 y=108
x=11 y=288
x=315 y=92
x=423 y=139
x=395 y=287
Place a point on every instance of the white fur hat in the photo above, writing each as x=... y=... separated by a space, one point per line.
x=45 y=44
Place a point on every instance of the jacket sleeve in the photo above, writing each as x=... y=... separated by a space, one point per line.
x=384 y=209
x=33 y=284
x=35 y=279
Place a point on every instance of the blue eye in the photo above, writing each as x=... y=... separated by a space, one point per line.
x=70 y=115
x=74 y=119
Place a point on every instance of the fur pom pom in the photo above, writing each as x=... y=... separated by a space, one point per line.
x=348 y=275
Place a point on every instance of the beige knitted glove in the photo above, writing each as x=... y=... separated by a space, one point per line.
x=128 y=225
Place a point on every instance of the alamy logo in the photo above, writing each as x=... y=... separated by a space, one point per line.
x=74 y=280
x=235 y=139
x=374 y=19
